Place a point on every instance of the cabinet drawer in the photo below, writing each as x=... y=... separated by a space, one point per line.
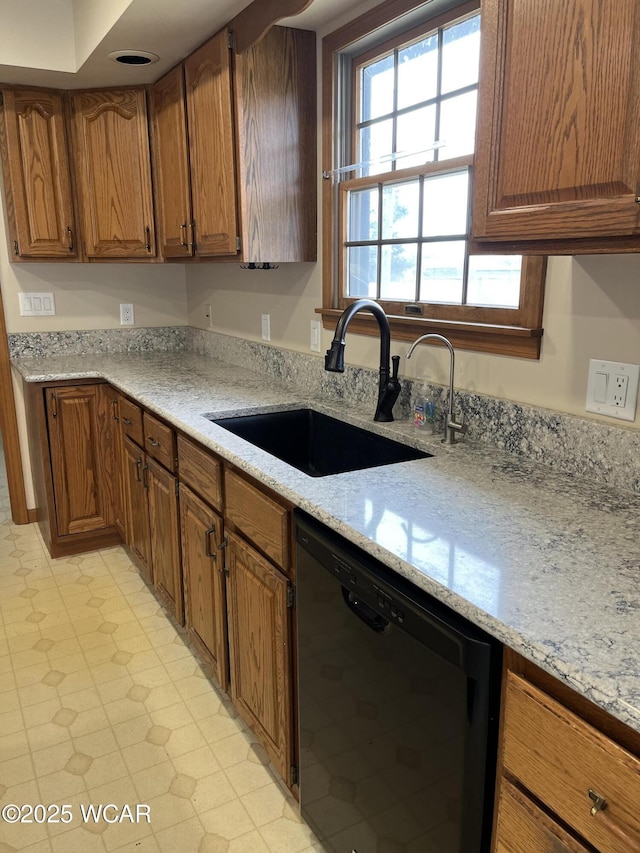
x=159 y=441
x=131 y=420
x=201 y=471
x=261 y=519
x=560 y=758
x=523 y=826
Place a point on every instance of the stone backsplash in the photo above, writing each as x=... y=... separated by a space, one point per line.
x=607 y=454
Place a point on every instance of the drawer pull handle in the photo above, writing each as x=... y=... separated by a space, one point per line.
x=127 y=421
x=599 y=803
x=152 y=441
x=208 y=550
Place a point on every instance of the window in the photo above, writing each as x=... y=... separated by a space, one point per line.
x=399 y=131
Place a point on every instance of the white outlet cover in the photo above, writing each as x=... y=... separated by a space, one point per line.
x=315 y=336
x=126 y=314
x=266 y=327
x=601 y=388
x=37 y=304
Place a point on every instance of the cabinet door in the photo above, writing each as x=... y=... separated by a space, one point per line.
x=204 y=581
x=558 y=152
x=111 y=153
x=211 y=147
x=260 y=649
x=165 y=536
x=79 y=426
x=37 y=175
x=137 y=505
x=171 y=162
x=119 y=494
x=522 y=826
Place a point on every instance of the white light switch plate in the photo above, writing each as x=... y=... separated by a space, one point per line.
x=37 y=304
x=612 y=389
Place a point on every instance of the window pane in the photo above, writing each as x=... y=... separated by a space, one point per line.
x=418 y=72
x=376 y=142
x=416 y=131
x=363 y=215
x=458 y=125
x=376 y=89
x=460 y=54
x=442 y=272
x=494 y=280
x=398 y=272
x=362 y=271
x=400 y=207
x=445 y=205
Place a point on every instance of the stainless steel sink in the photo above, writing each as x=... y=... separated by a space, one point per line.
x=318 y=444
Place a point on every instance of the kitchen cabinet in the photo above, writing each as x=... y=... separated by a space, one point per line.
x=111 y=153
x=203 y=569
x=234 y=149
x=568 y=783
x=260 y=650
x=557 y=164
x=37 y=175
x=72 y=447
x=152 y=504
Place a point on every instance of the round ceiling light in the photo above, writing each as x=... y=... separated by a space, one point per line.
x=133 y=57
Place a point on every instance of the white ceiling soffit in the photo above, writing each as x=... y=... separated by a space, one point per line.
x=65 y=43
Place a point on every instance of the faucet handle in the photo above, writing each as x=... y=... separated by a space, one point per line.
x=395 y=366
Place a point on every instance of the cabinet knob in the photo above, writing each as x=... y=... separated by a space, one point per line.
x=152 y=441
x=599 y=802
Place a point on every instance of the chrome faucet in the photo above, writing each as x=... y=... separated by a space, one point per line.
x=452 y=426
x=388 y=385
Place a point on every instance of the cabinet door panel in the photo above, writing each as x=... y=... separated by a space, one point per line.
x=172 y=164
x=204 y=583
x=558 y=153
x=37 y=175
x=137 y=505
x=211 y=147
x=74 y=415
x=111 y=148
x=165 y=537
x=260 y=650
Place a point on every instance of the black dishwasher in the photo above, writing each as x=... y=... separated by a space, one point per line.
x=398 y=707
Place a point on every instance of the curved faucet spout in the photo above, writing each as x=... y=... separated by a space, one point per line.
x=452 y=426
x=389 y=386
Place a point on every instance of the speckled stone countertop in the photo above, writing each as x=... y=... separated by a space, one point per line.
x=545 y=562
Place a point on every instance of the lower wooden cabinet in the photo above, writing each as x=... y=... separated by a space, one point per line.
x=259 y=599
x=566 y=783
x=72 y=445
x=153 y=524
x=204 y=582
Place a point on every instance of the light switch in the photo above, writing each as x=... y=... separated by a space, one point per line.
x=36 y=304
x=600 y=387
x=612 y=389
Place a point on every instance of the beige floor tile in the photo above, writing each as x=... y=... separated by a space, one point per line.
x=168 y=810
x=265 y=804
x=15 y=771
x=111 y=691
x=52 y=759
x=198 y=764
x=105 y=768
x=162 y=697
x=156 y=676
x=154 y=780
x=10 y=701
x=148 y=844
x=93 y=720
x=97 y=743
x=58 y=785
x=13 y=745
x=7 y=681
x=131 y=731
x=228 y=821
x=193 y=686
x=231 y=745
x=124 y=709
x=248 y=776
x=77 y=840
x=127 y=833
x=212 y=791
x=287 y=836
x=185 y=739
x=173 y=716
x=10 y=723
x=139 y=756
x=49 y=734
x=205 y=705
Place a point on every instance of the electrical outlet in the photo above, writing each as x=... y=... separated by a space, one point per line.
x=126 y=314
x=209 y=316
x=266 y=327
x=612 y=389
x=314 y=342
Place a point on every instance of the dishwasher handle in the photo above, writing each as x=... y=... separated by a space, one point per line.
x=368 y=615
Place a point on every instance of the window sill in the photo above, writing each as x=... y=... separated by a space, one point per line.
x=498 y=340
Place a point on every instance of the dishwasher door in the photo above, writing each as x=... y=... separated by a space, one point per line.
x=398 y=708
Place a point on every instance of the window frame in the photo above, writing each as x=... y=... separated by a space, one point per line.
x=505 y=331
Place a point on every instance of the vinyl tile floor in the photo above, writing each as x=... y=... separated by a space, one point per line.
x=102 y=703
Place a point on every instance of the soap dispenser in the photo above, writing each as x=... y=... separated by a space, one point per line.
x=424 y=409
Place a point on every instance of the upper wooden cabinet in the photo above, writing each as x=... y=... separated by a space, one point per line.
x=258 y=206
x=113 y=165
x=558 y=152
x=35 y=158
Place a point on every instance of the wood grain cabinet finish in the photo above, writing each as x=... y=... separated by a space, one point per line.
x=203 y=566
x=566 y=764
x=201 y=471
x=81 y=458
x=164 y=530
x=244 y=183
x=558 y=152
x=262 y=520
x=159 y=441
x=139 y=540
x=260 y=649
x=113 y=166
x=35 y=157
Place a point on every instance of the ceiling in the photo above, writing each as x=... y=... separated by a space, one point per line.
x=65 y=43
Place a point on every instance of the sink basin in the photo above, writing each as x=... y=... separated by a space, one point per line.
x=318 y=444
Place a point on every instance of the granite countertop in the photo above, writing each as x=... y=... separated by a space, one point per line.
x=547 y=563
